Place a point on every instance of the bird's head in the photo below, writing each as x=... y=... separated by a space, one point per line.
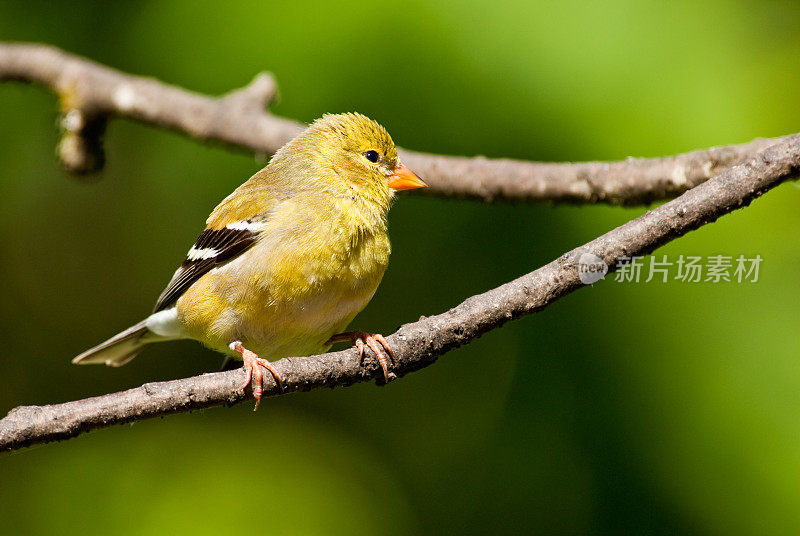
x=355 y=154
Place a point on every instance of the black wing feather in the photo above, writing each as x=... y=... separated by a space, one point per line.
x=227 y=243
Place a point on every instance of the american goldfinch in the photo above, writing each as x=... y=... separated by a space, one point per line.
x=288 y=259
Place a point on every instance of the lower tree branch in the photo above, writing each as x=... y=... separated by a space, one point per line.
x=419 y=344
x=89 y=93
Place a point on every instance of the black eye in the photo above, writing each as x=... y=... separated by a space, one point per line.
x=372 y=156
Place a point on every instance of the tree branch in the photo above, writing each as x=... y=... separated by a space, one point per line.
x=419 y=344
x=89 y=93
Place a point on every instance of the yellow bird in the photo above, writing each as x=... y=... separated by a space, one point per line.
x=288 y=259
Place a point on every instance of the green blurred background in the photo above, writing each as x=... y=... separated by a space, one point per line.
x=624 y=408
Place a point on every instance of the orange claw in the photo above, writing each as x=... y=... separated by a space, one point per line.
x=252 y=368
x=375 y=341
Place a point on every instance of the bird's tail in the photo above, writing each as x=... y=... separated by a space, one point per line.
x=119 y=349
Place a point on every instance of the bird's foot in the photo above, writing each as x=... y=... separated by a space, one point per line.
x=375 y=341
x=252 y=366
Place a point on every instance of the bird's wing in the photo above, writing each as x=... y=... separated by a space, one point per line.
x=213 y=248
x=231 y=229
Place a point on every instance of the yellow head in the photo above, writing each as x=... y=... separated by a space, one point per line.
x=349 y=154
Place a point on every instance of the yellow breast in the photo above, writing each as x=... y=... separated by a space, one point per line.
x=316 y=265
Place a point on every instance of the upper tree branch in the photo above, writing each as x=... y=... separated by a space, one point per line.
x=419 y=344
x=89 y=93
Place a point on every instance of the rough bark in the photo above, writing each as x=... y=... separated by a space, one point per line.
x=90 y=94
x=419 y=344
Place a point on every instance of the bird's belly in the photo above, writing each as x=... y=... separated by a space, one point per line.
x=291 y=319
x=301 y=326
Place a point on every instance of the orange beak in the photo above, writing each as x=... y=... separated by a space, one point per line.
x=403 y=178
